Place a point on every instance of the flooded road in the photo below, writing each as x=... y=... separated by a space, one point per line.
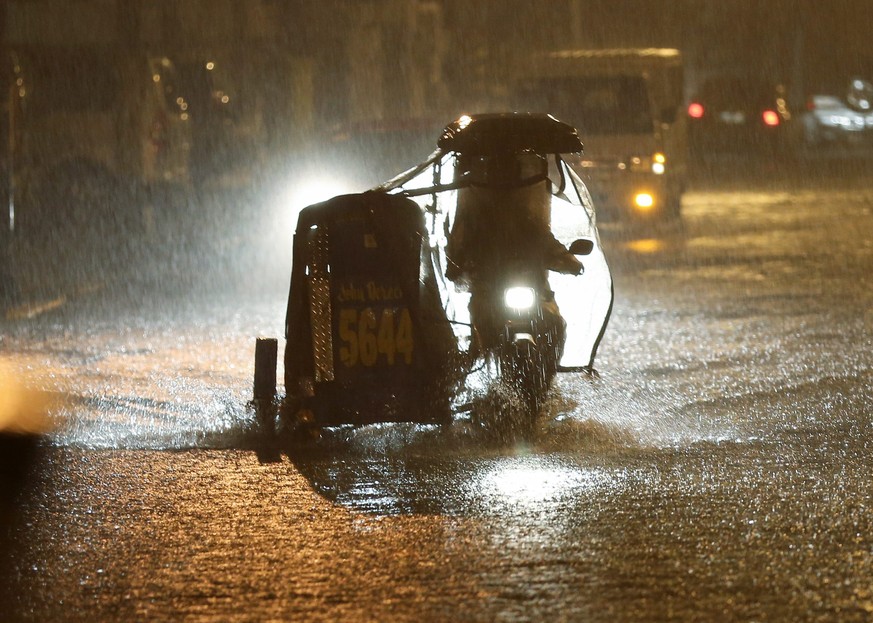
x=719 y=469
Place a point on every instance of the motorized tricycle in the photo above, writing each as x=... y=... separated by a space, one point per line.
x=382 y=322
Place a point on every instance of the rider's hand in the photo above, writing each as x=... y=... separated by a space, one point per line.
x=567 y=264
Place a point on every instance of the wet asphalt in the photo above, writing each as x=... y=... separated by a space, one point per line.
x=718 y=470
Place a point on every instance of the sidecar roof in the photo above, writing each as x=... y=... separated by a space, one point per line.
x=343 y=207
x=514 y=131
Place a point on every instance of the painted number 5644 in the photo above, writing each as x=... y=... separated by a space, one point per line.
x=369 y=337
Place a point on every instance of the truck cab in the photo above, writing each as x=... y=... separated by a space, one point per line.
x=626 y=106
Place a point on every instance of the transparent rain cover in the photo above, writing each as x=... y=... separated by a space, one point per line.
x=585 y=300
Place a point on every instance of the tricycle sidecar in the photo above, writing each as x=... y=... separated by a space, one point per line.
x=380 y=327
x=366 y=337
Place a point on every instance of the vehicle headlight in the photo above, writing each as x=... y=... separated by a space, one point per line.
x=519 y=297
x=644 y=201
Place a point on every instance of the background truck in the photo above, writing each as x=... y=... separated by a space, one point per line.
x=626 y=105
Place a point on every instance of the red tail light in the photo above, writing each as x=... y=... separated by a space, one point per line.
x=695 y=110
x=770 y=117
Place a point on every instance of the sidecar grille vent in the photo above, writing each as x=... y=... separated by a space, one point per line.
x=319 y=305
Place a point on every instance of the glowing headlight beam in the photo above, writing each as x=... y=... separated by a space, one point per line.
x=644 y=201
x=519 y=297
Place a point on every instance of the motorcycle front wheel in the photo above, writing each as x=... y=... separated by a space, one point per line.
x=524 y=373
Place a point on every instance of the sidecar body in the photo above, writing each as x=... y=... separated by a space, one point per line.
x=367 y=339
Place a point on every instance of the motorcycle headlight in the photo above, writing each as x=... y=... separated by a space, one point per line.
x=519 y=297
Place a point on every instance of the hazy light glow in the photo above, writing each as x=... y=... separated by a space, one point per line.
x=608 y=53
x=695 y=110
x=23 y=409
x=770 y=118
x=311 y=192
x=646 y=245
x=644 y=200
x=291 y=199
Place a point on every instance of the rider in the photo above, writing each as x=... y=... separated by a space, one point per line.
x=501 y=223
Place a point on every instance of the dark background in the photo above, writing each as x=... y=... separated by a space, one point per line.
x=455 y=53
x=305 y=76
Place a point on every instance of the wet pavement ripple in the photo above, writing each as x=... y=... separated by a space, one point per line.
x=718 y=470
